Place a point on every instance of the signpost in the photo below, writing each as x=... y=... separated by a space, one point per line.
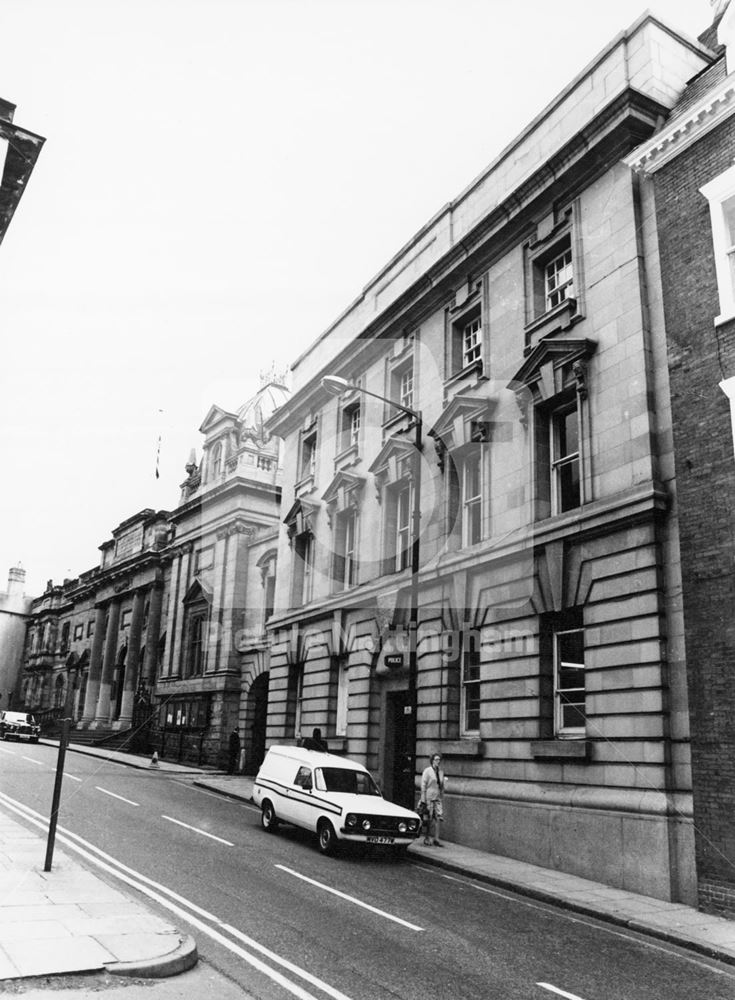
x=57 y=794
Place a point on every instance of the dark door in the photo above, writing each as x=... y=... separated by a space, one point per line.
x=400 y=735
x=259 y=702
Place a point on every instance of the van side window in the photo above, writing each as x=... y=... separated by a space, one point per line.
x=303 y=777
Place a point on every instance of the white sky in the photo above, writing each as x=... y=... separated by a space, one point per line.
x=219 y=181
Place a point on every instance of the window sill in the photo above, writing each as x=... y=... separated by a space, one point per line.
x=476 y=368
x=723 y=318
x=349 y=456
x=560 y=318
x=562 y=749
x=468 y=747
x=304 y=486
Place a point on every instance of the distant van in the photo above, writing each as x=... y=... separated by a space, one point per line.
x=332 y=796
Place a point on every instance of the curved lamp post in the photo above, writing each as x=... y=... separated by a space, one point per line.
x=335 y=386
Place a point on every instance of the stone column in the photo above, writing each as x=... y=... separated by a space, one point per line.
x=102 y=713
x=95 y=666
x=132 y=661
x=152 y=634
x=175 y=635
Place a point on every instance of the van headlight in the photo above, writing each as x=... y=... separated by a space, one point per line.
x=412 y=824
x=402 y=827
x=351 y=819
x=366 y=824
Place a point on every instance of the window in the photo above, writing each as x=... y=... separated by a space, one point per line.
x=192 y=713
x=303 y=778
x=196 y=631
x=465 y=347
x=565 y=486
x=470 y=686
x=345 y=556
x=65 y=636
x=78 y=632
x=307 y=465
x=340 y=727
x=350 y=429
x=558 y=279
x=401 y=541
x=471 y=342
x=216 y=461
x=472 y=497
x=553 y=273
x=569 y=683
x=720 y=193
x=303 y=568
x=196 y=635
x=295 y=699
x=126 y=616
x=90 y=628
x=401 y=386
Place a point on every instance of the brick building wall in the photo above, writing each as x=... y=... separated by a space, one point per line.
x=700 y=356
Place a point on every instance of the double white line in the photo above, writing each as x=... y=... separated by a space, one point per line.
x=194 y=915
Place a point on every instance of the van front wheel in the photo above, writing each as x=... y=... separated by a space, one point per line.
x=327 y=837
x=268 y=817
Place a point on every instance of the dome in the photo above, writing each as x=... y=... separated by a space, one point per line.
x=254 y=413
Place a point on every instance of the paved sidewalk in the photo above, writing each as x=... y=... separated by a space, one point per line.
x=69 y=920
x=674 y=922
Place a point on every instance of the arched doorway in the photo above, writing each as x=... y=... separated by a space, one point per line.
x=256 y=721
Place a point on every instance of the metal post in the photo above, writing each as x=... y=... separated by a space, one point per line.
x=57 y=794
x=414 y=598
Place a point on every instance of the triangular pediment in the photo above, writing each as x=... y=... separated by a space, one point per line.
x=550 y=353
x=394 y=450
x=200 y=590
x=215 y=417
x=454 y=426
x=344 y=483
x=300 y=516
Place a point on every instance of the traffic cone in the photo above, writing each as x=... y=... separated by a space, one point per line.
x=154 y=759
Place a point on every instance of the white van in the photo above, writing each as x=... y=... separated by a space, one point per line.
x=335 y=797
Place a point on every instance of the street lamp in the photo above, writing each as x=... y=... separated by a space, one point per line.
x=335 y=386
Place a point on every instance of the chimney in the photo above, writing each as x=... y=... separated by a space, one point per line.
x=16 y=581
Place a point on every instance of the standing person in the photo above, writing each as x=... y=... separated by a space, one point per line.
x=432 y=794
x=233 y=751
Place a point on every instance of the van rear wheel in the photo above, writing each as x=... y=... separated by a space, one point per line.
x=268 y=818
x=327 y=837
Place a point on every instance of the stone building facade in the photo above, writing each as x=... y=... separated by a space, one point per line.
x=688 y=165
x=164 y=641
x=524 y=322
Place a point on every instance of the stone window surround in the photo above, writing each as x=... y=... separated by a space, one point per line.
x=720 y=192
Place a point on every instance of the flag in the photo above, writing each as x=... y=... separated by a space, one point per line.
x=158 y=457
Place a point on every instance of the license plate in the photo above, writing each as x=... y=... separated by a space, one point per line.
x=379 y=840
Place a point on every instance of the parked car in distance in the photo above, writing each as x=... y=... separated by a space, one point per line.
x=332 y=796
x=19 y=726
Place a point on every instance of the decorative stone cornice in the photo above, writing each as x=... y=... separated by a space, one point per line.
x=678 y=135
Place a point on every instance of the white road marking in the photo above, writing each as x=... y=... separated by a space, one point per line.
x=141 y=882
x=197 y=830
x=559 y=993
x=350 y=899
x=114 y=796
x=39 y=762
x=72 y=776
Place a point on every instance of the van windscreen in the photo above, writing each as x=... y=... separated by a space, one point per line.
x=342 y=779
